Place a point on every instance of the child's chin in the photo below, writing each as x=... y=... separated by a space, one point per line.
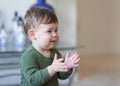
x=52 y=46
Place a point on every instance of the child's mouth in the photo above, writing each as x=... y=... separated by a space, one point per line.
x=53 y=41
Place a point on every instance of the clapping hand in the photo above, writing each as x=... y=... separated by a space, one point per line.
x=72 y=61
x=61 y=65
x=58 y=64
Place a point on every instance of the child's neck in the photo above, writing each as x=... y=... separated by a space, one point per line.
x=44 y=52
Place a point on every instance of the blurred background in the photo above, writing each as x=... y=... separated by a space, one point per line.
x=90 y=27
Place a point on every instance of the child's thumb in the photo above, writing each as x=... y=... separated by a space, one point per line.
x=55 y=57
x=67 y=55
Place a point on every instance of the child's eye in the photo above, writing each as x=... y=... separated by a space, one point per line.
x=49 y=31
x=56 y=30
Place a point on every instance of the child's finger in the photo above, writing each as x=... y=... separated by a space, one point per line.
x=61 y=59
x=77 y=60
x=73 y=57
x=67 y=55
x=76 y=57
x=63 y=65
x=76 y=65
x=55 y=57
x=63 y=69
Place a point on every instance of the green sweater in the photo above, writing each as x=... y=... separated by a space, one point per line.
x=34 y=70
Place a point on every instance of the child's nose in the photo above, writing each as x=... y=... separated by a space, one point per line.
x=55 y=34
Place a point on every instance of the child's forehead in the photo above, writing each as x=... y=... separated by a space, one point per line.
x=47 y=26
x=50 y=24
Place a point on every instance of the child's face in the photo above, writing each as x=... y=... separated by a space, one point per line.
x=46 y=35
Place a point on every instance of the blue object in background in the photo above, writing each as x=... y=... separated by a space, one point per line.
x=43 y=3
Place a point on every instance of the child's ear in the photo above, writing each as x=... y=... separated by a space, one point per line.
x=31 y=33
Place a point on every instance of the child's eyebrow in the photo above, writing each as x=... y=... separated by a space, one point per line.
x=53 y=28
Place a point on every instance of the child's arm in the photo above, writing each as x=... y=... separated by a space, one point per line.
x=33 y=75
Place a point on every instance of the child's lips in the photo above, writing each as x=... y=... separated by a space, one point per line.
x=54 y=41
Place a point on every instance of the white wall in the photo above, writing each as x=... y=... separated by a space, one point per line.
x=67 y=14
x=7 y=8
x=65 y=10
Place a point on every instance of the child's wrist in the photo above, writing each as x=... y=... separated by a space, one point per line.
x=51 y=70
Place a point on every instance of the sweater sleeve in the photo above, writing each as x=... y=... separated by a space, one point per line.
x=64 y=75
x=32 y=73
